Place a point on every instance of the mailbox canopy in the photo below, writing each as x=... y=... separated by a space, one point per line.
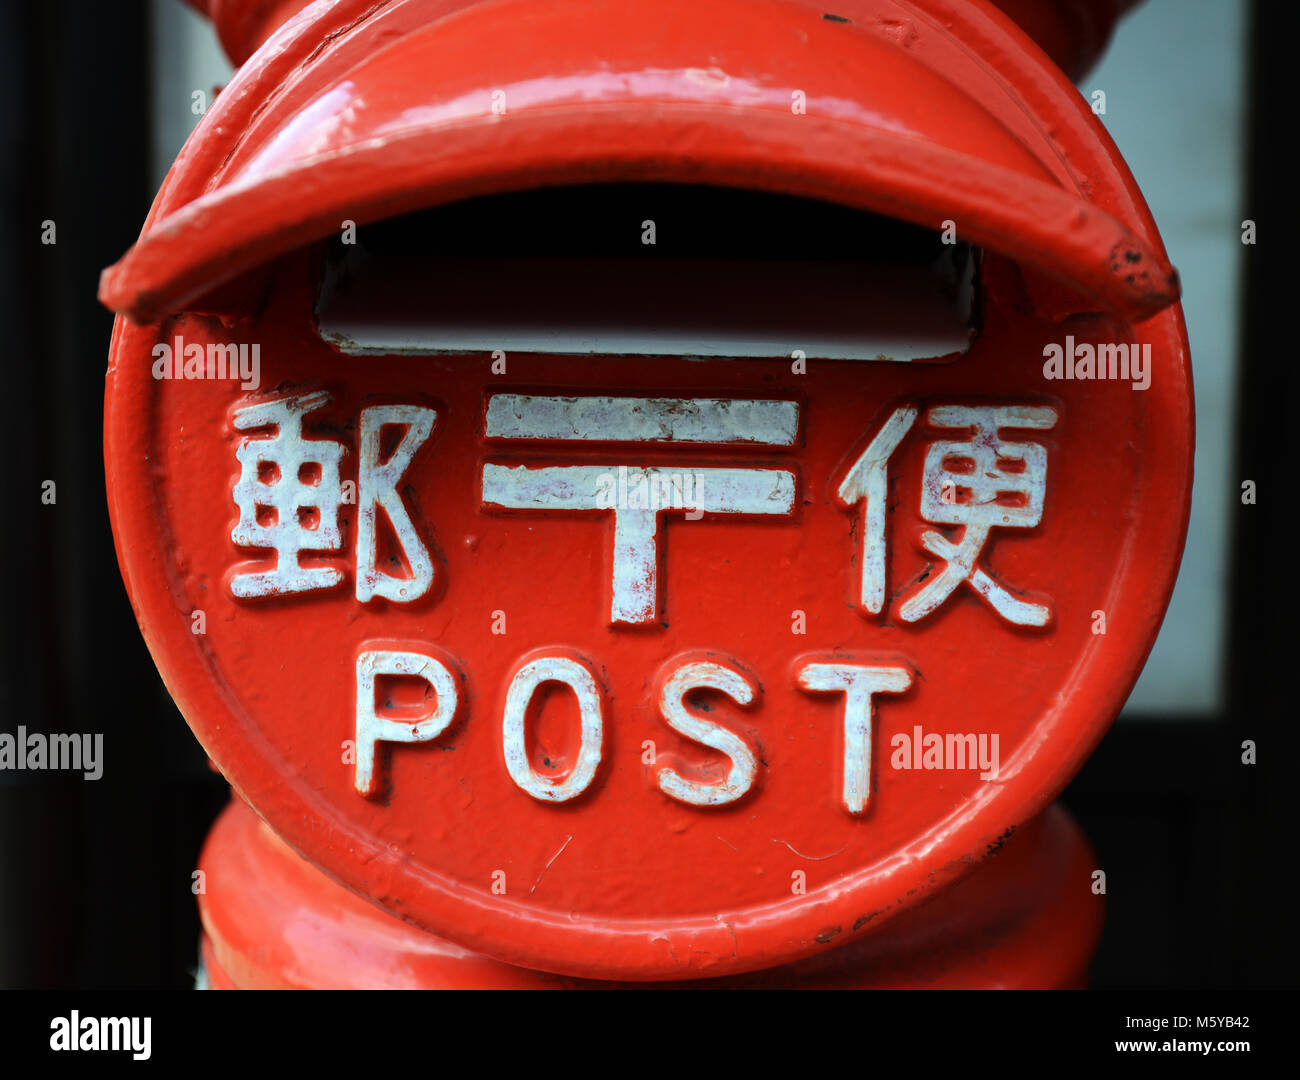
x=929 y=112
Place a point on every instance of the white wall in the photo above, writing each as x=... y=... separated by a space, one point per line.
x=1175 y=82
x=186 y=58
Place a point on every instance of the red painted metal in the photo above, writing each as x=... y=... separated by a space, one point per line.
x=927 y=111
x=359 y=132
x=1026 y=919
x=1072 y=32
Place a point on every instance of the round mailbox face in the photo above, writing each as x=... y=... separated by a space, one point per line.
x=633 y=667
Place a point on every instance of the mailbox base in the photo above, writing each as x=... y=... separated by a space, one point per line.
x=1026 y=918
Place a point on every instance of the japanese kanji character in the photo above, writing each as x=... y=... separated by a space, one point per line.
x=998 y=496
x=288 y=497
x=980 y=484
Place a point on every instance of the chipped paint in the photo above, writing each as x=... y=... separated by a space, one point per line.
x=376 y=487
x=514 y=740
x=641 y=419
x=867 y=480
x=372 y=729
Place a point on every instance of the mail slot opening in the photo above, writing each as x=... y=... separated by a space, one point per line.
x=649 y=269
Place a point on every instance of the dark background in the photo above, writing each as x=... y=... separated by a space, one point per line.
x=95 y=877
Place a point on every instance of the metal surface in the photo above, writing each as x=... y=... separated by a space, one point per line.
x=1026 y=919
x=1071 y=32
x=356 y=129
x=649 y=709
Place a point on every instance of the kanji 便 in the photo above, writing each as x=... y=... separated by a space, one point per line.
x=980 y=483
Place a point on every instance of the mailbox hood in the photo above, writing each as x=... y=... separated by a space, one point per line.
x=929 y=111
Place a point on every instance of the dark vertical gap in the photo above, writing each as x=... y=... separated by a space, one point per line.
x=1159 y=802
x=1263 y=590
x=95 y=884
x=35 y=890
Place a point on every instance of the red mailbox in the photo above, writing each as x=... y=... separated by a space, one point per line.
x=643 y=618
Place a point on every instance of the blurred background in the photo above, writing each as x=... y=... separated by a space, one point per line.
x=95 y=877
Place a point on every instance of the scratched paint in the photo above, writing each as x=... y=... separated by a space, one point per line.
x=635 y=419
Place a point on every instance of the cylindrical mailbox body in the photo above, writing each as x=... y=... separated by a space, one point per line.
x=1027 y=918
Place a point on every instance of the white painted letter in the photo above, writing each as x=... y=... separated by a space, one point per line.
x=867 y=480
x=377 y=486
x=373 y=728
x=578 y=678
x=858 y=683
x=744 y=766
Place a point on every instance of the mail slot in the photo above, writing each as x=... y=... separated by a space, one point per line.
x=649 y=492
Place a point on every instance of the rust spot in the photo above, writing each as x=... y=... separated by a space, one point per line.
x=826 y=935
x=1001 y=840
x=862 y=920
